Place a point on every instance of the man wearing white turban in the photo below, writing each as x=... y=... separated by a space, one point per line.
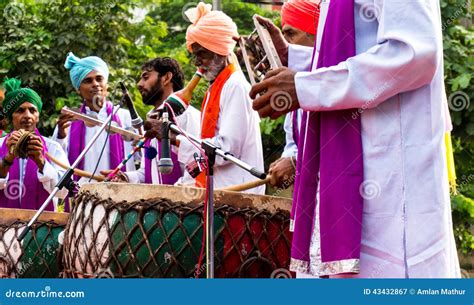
x=227 y=117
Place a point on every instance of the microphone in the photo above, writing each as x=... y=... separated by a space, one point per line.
x=165 y=165
x=137 y=121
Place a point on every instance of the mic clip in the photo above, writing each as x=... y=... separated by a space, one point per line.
x=195 y=167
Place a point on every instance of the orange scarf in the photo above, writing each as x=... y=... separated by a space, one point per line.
x=210 y=111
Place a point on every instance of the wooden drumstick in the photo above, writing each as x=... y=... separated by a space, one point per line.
x=246 y=186
x=77 y=171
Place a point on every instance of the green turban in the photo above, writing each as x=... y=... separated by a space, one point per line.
x=15 y=96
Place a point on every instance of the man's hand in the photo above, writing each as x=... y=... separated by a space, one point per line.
x=35 y=151
x=65 y=121
x=282 y=172
x=119 y=177
x=153 y=128
x=279 y=41
x=277 y=94
x=11 y=141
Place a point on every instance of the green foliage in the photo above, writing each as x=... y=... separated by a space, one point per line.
x=458 y=42
x=36 y=36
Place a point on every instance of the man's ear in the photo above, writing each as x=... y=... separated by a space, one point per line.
x=167 y=78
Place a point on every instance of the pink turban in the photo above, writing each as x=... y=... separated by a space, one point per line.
x=211 y=29
x=301 y=14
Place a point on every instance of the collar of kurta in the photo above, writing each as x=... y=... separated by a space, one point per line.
x=212 y=103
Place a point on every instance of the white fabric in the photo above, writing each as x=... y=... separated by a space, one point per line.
x=396 y=80
x=91 y=158
x=238 y=132
x=291 y=150
x=51 y=171
x=189 y=121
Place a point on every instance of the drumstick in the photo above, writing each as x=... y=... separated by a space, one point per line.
x=247 y=185
x=95 y=122
x=77 y=171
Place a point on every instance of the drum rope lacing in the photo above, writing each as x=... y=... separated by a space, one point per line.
x=249 y=242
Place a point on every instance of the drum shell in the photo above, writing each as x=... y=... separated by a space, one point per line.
x=39 y=254
x=161 y=236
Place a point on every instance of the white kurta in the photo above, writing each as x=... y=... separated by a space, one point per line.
x=291 y=150
x=237 y=132
x=189 y=121
x=396 y=81
x=92 y=157
x=52 y=172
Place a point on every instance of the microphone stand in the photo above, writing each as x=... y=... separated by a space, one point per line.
x=66 y=180
x=211 y=152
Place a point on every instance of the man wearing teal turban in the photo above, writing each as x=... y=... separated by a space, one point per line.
x=26 y=182
x=89 y=76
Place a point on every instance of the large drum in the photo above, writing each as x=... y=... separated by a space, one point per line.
x=38 y=255
x=130 y=230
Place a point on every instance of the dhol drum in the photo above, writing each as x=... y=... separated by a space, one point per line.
x=38 y=255
x=132 y=230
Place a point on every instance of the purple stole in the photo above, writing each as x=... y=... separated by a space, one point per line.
x=165 y=179
x=32 y=190
x=78 y=135
x=332 y=147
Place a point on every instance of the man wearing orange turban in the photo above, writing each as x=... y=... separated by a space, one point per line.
x=299 y=21
x=227 y=118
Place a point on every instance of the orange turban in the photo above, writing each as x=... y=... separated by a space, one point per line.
x=301 y=14
x=211 y=29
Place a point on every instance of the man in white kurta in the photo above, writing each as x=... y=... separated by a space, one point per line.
x=396 y=82
x=161 y=77
x=89 y=77
x=18 y=188
x=227 y=118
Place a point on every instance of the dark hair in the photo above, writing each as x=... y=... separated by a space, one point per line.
x=162 y=65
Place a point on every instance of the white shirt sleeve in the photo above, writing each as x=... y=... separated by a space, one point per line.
x=63 y=142
x=404 y=58
x=290 y=147
x=52 y=172
x=137 y=176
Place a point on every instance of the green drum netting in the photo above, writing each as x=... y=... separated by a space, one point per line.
x=160 y=238
x=38 y=255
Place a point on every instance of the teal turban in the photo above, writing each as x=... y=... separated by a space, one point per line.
x=79 y=68
x=15 y=96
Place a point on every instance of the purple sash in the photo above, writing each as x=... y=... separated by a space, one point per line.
x=333 y=148
x=33 y=192
x=78 y=135
x=165 y=179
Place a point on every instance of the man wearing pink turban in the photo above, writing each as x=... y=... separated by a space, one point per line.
x=227 y=117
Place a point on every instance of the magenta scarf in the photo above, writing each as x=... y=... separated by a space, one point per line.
x=78 y=135
x=33 y=192
x=169 y=179
x=331 y=147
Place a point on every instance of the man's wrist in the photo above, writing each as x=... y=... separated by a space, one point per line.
x=9 y=159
